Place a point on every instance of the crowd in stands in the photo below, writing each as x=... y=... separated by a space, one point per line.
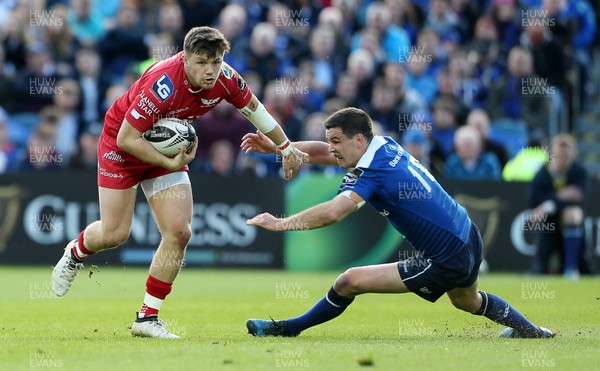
x=463 y=85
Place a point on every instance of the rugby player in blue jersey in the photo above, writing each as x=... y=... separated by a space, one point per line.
x=449 y=243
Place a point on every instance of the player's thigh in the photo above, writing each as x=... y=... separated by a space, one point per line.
x=380 y=278
x=116 y=208
x=171 y=200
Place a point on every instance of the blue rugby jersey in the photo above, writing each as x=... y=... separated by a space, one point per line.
x=404 y=191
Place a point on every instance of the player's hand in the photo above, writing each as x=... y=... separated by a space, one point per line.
x=293 y=162
x=570 y=193
x=257 y=142
x=266 y=221
x=184 y=157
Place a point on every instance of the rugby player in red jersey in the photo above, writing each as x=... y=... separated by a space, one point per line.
x=185 y=86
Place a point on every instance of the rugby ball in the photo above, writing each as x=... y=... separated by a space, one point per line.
x=168 y=134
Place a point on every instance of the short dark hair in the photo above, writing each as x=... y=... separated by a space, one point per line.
x=351 y=121
x=207 y=40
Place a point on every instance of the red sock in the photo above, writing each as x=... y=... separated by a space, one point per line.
x=156 y=292
x=79 y=250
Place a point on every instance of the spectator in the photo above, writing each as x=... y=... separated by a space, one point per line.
x=86 y=157
x=6 y=84
x=361 y=68
x=233 y=20
x=199 y=12
x=550 y=63
x=428 y=45
x=9 y=153
x=333 y=18
x=406 y=15
x=441 y=19
x=469 y=161
x=369 y=41
x=37 y=83
x=557 y=196
x=86 y=25
x=504 y=14
x=278 y=101
x=470 y=92
x=92 y=83
x=70 y=124
x=511 y=99
x=417 y=77
x=261 y=57
x=123 y=45
x=480 y=120
x=60 y=40
x=223 y=122
x=170 y=20
x=293 y=28
x=14 y=40
x=221 y=158
x=444 y=124
x=113 y=93
x=394 y=39
x=383 y=108
x=161 y=47
x=346 y=88
x=549 y=59
x=41 y=152
x=322 y=47
x=483 y=51
x=415 y=143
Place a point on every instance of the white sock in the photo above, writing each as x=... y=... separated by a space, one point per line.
x=151 y=302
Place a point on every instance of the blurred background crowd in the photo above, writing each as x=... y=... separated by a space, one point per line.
x=474 y=89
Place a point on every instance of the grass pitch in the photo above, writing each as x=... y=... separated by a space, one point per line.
x=88 y=328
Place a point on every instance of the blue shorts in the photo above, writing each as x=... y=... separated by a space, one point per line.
x=431 y=280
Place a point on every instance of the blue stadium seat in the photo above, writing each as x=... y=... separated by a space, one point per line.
x=512 y=134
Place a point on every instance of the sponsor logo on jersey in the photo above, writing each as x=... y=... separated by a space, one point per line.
x=113 y=156
x=227 y=71
x=396 y=158
x=136 y=115
x=147 y=105
x=351 y=177
x=384 y=212
x=178 y=111
x=241 y=83
x=210 y=102
x=163 y=87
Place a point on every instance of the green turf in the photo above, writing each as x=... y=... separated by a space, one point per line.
x=87 y=330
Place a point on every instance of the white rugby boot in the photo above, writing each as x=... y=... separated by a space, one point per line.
x=65 y=271
x=151 y=327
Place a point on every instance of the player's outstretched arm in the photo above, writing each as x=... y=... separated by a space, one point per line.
x=256 y=113
x=317 y=216
x=130 y=140
x=318 y=152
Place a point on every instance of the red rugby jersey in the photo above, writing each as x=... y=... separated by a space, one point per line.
x=164 y=91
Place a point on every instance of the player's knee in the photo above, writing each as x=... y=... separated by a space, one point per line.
x=572 y=216
x=348 y=283
x=115 y=237
x=180 y=234
x=466 y=303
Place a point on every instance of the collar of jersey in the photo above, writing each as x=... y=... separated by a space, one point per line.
x=369 y=154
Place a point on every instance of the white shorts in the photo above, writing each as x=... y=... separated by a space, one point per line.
x=158 y=184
